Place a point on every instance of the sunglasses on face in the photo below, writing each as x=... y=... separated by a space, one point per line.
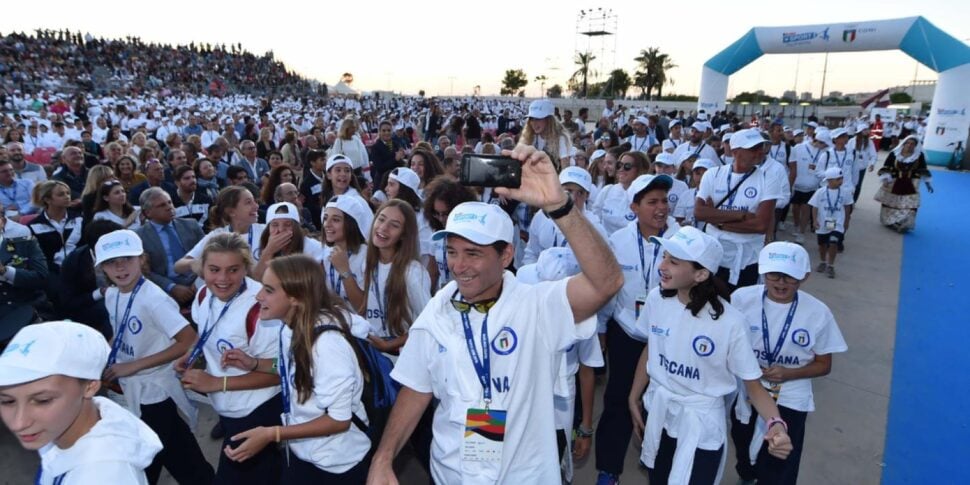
x=624 y=166
x=779 y=277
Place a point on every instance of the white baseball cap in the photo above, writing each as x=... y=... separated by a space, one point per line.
x=642 y=120
x=824 y=136
x=290 y=212
x=407 y=177
x=554 y=264
x=838 y=132
x=784 y=257
x=478 y=222
x=861 y=127
x=746 y=139
x=356 y=208
x=812 y=124
x=665 y=158
x=600 y=153
x=540 y=108
x=691 y=244
x=703 y=163
x=833 y=173
x=686 y=155
x=578 y=176
x=648 y=182
x=699 y=126
x=54 y=348
x=338 y=158
x=117 y=244
x=673 y=123
x=798 y=132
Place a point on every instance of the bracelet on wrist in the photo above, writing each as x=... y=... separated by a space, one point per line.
x=561 y=211
x=255 y=366
x=776 y=420
x=583 y=433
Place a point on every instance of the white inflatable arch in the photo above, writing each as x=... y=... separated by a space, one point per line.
x=948 y=122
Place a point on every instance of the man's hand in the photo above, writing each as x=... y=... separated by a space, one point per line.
x=540 y=183
x=182 y=294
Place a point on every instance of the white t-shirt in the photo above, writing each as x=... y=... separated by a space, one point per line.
x=587 y=352
x=844 y=159
x=419 y=292
x=670 y=145
x=702 y=151
x=528 y=328
x=691 y=355
x=777 y=175
x=740 y=250
x=337 y=387
x=831 y=204
x=865 y=155
x=229 y=332
x=544 y=234
x=424 y=235
x=613 y=208
x=564 y=146
x=152 y=324
x=678 y=191
x=685 y=208
x=357 y=261
x=626 y=247
x=813 y=331
x=805 y=156
x=252 y=237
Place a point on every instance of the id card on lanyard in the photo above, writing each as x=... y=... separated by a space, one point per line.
x=645 y=273
x=484 y=427
x=832 y=209
x=771 y=355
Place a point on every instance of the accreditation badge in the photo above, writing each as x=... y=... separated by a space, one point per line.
x=640 y=301
x=484 y=435
x=830 y=225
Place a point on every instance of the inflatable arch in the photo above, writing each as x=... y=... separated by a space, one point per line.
x=948 y=122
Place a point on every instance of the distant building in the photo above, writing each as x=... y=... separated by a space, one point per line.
x=806 y=96
x=790 y=95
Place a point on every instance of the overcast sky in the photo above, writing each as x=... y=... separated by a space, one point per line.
x=449 y=47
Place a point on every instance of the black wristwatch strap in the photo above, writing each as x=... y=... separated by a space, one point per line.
x=562 y=211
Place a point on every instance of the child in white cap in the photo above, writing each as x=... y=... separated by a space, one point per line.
x=793 y=335
x=49 y=375
x=284 y=236
x=696 y=351
x=149 y=334
x=830 y=218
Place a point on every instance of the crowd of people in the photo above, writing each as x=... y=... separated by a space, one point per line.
x=314 y=270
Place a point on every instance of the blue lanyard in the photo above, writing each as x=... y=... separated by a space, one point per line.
x=697 y=152
x=828 y=198
x=840 y=163
x=815 y=157
x=255 y=250
x=381 y=304
x=284 y=375
x=643 y=263
x=58 y=480
x=734 y=193
x=120 y=332
x=207 y=331
x=482 y=365
x=775 y=153
x=335 y=282
x=773 y=355
x=644 y=142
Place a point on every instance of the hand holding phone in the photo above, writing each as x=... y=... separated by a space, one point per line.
x=490 y=171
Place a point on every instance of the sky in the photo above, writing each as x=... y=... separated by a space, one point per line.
x=450 y=47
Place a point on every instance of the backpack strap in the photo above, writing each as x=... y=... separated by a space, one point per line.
x=252 y=319
x=202 y=294
x=319 y=329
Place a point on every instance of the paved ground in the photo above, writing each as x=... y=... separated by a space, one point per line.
x=844 y=437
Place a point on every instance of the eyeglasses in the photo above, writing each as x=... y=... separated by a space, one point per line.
x=110 y=183
x=781 y=276
x=464 y=307
x=624 y=166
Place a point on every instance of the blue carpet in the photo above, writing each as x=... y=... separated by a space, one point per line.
x=928 y=433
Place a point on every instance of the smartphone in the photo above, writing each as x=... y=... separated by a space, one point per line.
x=490 y=171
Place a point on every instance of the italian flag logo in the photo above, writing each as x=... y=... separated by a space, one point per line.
x=848 y=35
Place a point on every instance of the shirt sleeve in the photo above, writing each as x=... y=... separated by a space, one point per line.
x=814 y=201
x=196 y=251
x=558 y=326
x=412 y=368
x=266 y=340
x=706 y=189
x=419 y=288
x=166 y=313
x=829 y=338
x=740 y=359
x=335 y=376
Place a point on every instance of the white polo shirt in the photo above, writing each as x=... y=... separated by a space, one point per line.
x=229 y=332
x=544 y=234
x=813 y=331
x=527 y=329
x=613 y=208
x=678 y=191
x=844 y=159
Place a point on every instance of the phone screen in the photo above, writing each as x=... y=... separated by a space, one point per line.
x=490 y=171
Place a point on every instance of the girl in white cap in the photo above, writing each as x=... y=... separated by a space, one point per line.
x=149 y=334
x=50 y=374
x=324 y=422
x=396 y=285
x=405 y=184
x=339 y=178
x=696 y=351
x=793 y=335
x=238 y=210
x=284 y=236
x=546 y=133
x=346 y=226
x=830 y=218
x=228 y=317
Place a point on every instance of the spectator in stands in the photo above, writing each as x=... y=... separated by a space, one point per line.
x=23 y=277
x=96 y=177
x=205 y=177
x=166 y=239
x=265 y=143
x=254 y=166
x=277 y=176
x=387 y=153
x=237 y=175
x=112 y=204
x=125 y=172
x=191 y=202
x=349 y=144
x=14 y=192
x=154 y=177
x=73 y=173
x=82 y=292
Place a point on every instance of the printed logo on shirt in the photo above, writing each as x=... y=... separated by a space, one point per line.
x=134 y=325
x=762 y=356
x=703 y=346
x=672 y=198
x=679 y=369
x=505 y=342
x=223 y=345
x=750 y=192
x=801 y=337
x=629 y=267
x=663 y=332
x=630 y=216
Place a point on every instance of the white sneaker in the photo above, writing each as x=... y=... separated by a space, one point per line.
x=783 y=226
x=799 y=238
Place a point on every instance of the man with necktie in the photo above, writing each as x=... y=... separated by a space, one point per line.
x=166 y=239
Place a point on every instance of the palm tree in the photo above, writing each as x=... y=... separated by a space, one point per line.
x=652 y=70
x=584 y=61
